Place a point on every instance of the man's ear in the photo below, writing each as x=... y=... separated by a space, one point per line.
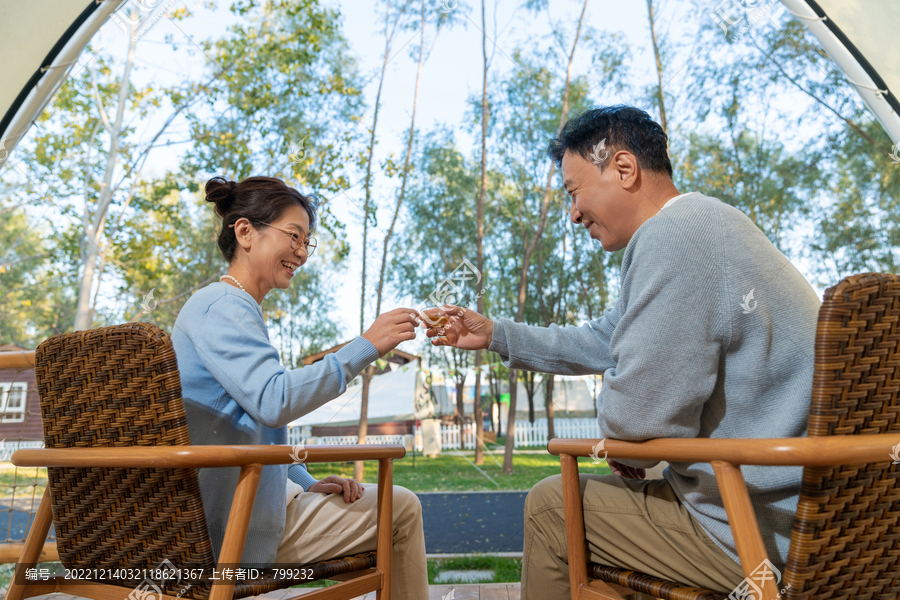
x=627 y=169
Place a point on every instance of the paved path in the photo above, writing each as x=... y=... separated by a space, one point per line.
x=15 y=523
x=455 y=523
x=463 y=523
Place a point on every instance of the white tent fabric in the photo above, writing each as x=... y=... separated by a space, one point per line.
x=395 y=396
x=570 y=394
x=42 y=39
x=860 y=36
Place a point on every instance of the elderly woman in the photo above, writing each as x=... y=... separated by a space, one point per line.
x=236 y=391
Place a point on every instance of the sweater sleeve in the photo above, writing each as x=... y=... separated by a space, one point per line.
x=232 y=342
x=299 y=474
x=567 y=350
x=669 y=342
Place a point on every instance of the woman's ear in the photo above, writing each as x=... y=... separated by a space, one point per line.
x=243 y=231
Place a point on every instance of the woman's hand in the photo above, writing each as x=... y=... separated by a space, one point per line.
x=626 y=471
x=391 y=328
x=466 y=329
x=333 y=484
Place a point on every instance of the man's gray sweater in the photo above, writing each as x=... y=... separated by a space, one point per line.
x=712 y=336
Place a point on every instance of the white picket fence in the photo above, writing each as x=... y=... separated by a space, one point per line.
x=335 y=440
x=535 y=434
x=526 y=434
x=7 y=448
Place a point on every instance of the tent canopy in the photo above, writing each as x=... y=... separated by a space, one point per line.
x=860 y=36
x=395 y=396
x=42 y=39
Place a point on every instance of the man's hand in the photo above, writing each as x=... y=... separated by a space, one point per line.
x=333 y=484
x=625 y=471
x=391 y=328
x=466 y=329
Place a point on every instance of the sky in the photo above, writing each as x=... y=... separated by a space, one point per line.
x=452 y=74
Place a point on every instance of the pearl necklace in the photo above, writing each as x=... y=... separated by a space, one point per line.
x=234 y=280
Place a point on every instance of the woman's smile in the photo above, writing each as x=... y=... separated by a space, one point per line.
x=290 y=267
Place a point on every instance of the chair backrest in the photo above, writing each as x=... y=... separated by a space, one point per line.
x=845 y=541
x=113 y=387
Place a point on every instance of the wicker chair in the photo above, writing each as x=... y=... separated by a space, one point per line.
x=123 y=486
x=845 y=541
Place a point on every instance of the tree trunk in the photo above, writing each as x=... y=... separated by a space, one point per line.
x=492 y=404
x=494 y=385
x=548 y=398
x=662 y=104
x=460 y=413
x=409 y=144
x=529 y=390
x=535 y=237
x=359 y=466
x=84 y=312
x=510 y=424
x=479 y=246
x=477 y=413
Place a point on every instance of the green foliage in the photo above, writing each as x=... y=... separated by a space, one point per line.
x=24 y=299
x=840 y=183
x=859 y=230
x=763 y=120
x=438 y=231
x=286 y=101
x=286 y=104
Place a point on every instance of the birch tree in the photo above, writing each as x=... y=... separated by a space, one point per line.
x=530 y=235
x=393 y=21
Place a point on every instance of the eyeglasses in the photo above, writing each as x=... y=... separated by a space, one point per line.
x=309 y=244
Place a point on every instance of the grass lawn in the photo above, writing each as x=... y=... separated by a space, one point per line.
x=454 y=471
x=26 y=481
x=506 y=570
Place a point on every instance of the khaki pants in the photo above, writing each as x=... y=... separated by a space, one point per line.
x=322 y=526
x=636 y=524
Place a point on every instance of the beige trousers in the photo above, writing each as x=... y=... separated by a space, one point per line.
x=636 y=524
x=321 y=526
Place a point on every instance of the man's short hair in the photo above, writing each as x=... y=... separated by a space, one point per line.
x=598 y=133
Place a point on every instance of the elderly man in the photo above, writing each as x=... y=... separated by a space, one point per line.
x=711 y=336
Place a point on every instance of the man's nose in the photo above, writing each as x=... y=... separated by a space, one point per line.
x=575 y=214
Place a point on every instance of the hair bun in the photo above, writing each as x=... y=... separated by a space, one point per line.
x=221 y=192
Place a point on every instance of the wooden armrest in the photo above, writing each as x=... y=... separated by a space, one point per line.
x=808 y=452
x=178 y=457
x=17 y=359
x=725 y=455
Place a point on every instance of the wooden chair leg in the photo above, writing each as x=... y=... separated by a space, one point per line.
x=236 y=530
x=384 y=545
x=744 y=526
x=34 y=543
x=582 y=589
x=574 y=515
